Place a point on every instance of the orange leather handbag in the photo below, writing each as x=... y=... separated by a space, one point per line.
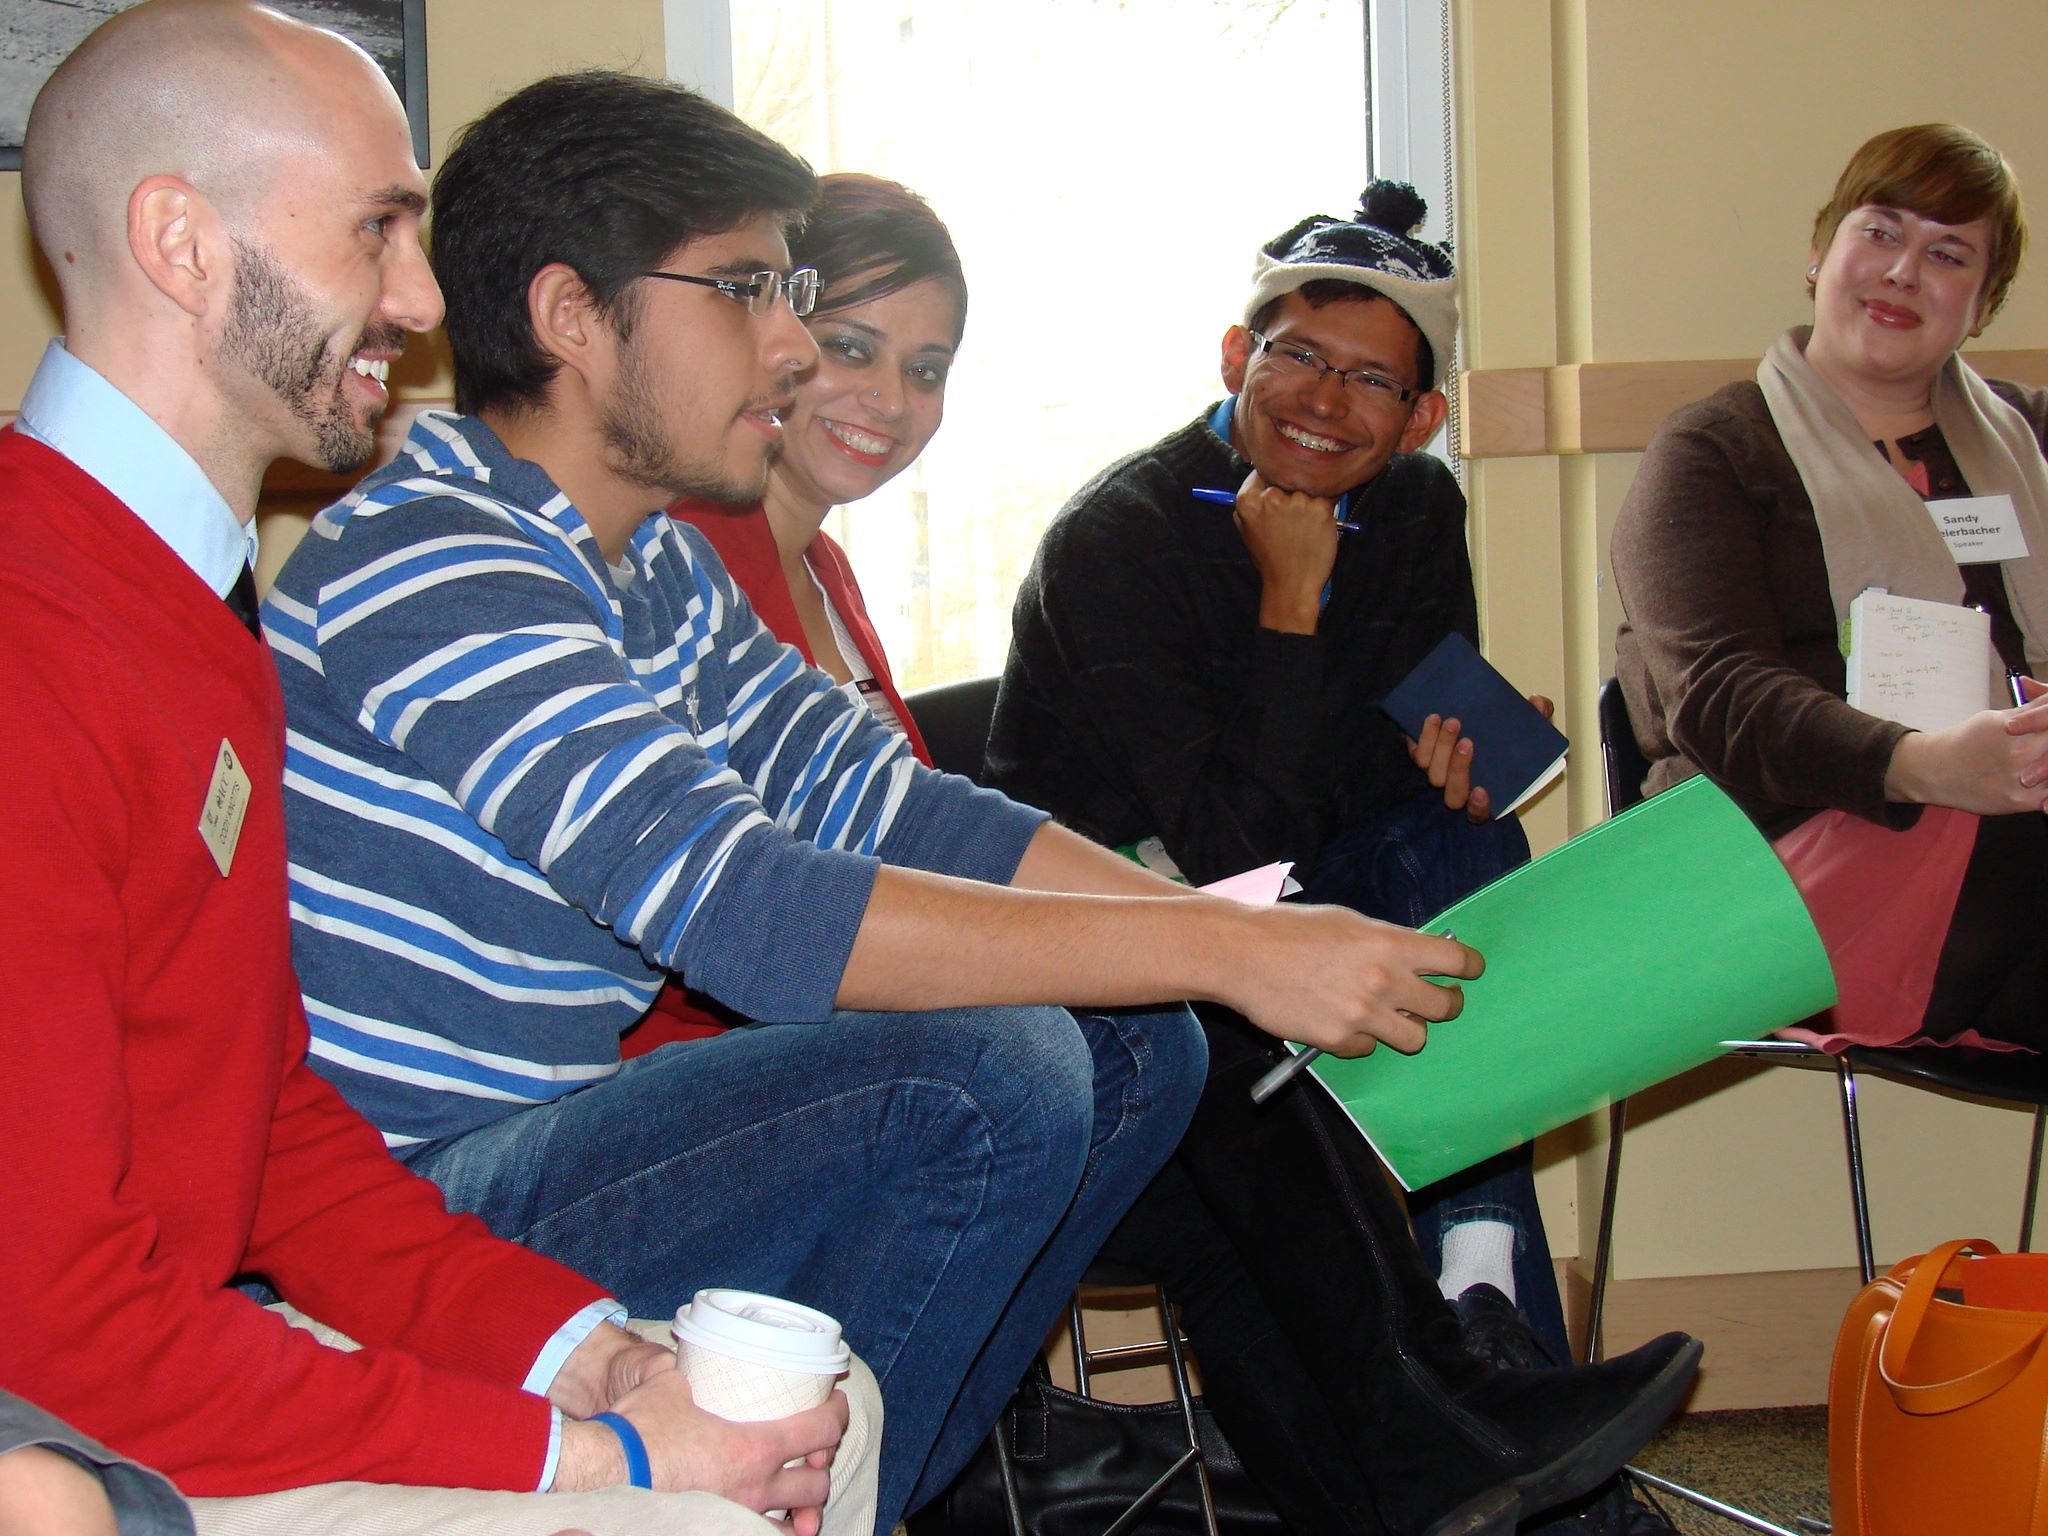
x=1938 y=1398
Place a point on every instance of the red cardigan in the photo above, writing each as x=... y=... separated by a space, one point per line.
x=164 y=1133
x=746 y=544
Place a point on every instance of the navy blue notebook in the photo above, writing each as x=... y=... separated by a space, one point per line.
x=1515 y=751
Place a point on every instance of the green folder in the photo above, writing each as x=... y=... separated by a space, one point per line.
x=1613 y=962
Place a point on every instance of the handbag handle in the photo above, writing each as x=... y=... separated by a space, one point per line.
x=1904 y=1327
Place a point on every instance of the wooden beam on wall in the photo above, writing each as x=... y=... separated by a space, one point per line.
x=1502 y=412
x=1616 y=407
x=1621 y=404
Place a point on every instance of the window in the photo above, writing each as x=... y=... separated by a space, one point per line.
x=1108 y=168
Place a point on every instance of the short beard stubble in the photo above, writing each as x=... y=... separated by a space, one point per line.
x=273 y=331
x=637 y=450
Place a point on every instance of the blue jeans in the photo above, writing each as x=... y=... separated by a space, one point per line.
x=1405 y=866
x=936 y=1181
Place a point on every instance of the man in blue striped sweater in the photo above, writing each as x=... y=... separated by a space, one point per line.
x=542 y=755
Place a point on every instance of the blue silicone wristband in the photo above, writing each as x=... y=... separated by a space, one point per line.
x=638 y=1472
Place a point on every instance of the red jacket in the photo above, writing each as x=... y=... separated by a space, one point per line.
x=746 y=544
x=163 y=1132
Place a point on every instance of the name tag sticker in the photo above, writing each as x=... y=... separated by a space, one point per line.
x=227 y=801
x=1979 y=529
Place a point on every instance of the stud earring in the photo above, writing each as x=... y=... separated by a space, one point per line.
x=1812 y=272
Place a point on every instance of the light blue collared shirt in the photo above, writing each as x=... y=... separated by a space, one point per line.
x=71 y=408
x=553 y=1356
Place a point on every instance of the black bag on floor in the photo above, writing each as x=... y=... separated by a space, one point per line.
x=1081 y=1462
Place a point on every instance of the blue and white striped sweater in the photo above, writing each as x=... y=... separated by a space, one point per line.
x=519 y=789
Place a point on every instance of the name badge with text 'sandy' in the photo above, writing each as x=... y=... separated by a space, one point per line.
x=1979 y=529
x=227 y=801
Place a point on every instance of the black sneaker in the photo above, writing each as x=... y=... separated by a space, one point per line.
x=1492 y=1329
x=1548 y=1437
x=1641 y=1516
x=1618 y=1509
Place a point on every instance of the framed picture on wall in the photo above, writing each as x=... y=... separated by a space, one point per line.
x=37 y=35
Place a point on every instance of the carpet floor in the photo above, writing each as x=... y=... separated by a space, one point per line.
x=1772 y=1462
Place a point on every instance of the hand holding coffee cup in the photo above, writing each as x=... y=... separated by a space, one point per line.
x=750 y=1357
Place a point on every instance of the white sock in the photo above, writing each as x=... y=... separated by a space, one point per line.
x=1478 y=1253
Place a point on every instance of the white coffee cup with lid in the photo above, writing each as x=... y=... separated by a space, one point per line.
x=751 y=1357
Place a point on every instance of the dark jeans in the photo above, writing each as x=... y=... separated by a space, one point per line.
x=936 y=1181
x=1405 y=867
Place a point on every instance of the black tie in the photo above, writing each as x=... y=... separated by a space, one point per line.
x=242 y=599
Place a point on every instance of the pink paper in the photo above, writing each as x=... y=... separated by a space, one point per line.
x=1256 y=887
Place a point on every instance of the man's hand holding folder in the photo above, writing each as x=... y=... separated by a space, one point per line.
x=1326 y=977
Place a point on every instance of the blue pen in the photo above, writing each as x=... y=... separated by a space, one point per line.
x=1217 y=498
x=1221 y=498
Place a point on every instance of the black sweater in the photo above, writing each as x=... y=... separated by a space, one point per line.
x=1142 y=698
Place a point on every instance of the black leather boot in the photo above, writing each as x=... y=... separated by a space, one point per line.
x=1452 y=1446
x=1253 y=1378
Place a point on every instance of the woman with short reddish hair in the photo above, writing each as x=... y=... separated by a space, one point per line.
x=1761 y=513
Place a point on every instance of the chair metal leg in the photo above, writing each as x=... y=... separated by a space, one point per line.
x=1728 y=1512
x=1603 y=1247
x=1006 y=1478
x=1176 y=1359
x=1128 y=1520
x=1080 y=1343
x=2033 y=1180
x=1859 y=1197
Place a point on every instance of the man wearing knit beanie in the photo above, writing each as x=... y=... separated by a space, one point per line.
x=1198 y=654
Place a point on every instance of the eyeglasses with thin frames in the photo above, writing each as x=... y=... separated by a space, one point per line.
x=1379 y=389
x=758 y=290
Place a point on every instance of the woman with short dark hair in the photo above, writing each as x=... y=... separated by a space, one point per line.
x=891 y=309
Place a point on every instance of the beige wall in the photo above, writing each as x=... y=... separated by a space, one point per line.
x=1638 y=183
x=28 y=311
x=477 y=51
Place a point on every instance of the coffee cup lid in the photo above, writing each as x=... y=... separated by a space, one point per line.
x=766 y=1330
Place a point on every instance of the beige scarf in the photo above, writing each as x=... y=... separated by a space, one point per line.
x=1874 y=530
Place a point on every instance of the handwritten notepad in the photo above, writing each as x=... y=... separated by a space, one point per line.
x=1921 y=663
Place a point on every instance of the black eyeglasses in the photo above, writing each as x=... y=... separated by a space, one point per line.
x=759 y=290
x=1379 y=389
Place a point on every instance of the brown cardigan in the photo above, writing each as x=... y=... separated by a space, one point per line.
x=1730 y=657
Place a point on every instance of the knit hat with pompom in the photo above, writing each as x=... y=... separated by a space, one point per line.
x=1376 y=248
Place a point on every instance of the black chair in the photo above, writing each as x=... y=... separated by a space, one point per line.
x=954 y=720
x=1171 y=1348
x=2006 y=1077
